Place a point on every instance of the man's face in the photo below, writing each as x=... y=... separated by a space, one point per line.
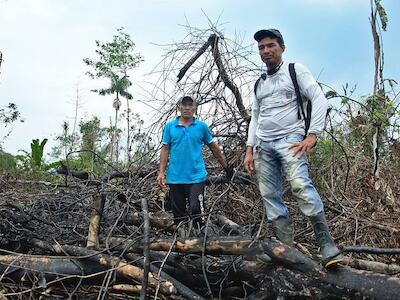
x=187 y=109
x=270 y=51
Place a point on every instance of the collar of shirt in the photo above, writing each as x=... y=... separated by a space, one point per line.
x=178 y=124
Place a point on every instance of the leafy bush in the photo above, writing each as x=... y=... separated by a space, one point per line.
x=7 y=161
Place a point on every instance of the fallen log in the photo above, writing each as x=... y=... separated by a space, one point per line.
x=371 y=250
x=64 y=170
x=121 y=288
x=51 y=268
x=373 y=266
x=361 y=283
x=228 y=225
x=283 y=281
x=164 y=221
x=45 y=270
x=213 y=245
x=298 y=274
x=353 y=281
x=122 y=268
x=238 y=277
x=126 y=288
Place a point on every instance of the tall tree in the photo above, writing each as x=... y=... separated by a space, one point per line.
x=119 y=86
x=115 y=60
x=380 y=106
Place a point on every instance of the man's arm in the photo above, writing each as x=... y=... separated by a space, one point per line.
x=255 y=111
x=251 y=139
x=216 y=151
x=248 y=160
x=163 y=165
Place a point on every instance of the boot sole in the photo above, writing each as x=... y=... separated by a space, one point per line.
x=332 y=262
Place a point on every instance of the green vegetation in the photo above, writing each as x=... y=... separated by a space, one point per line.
x=34 y=160
x=7 y=161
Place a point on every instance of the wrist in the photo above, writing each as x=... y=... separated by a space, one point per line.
x=249 y=150
x=313 y=136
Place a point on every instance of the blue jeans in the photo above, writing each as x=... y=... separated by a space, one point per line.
x=272 y=161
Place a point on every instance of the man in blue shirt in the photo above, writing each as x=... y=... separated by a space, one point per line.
x=183 y=140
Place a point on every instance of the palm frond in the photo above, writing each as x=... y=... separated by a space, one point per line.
x=126 y=95
x=104 y=92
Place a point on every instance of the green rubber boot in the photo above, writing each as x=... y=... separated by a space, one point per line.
x=330 y=253
x=283 y=229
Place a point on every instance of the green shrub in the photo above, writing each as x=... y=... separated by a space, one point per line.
x=7 y=161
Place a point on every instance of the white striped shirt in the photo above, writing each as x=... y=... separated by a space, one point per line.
x=274 y=113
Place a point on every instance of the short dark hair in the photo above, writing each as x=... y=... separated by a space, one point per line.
x=272 y=33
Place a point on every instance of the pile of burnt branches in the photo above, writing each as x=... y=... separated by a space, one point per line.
x=114 y=238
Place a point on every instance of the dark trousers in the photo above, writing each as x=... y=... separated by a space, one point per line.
x=187 y=203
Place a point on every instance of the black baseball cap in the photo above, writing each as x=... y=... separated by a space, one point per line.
x=187 y=99
x=275 y=33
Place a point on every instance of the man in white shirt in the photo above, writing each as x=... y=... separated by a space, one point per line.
x=277 y=145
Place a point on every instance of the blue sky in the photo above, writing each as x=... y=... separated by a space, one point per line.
x=44 y=41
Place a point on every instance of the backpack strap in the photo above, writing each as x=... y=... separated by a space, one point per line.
x=263 y=76
x=300 y=108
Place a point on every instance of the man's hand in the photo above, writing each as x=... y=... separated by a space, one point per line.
x=305 y=145
x=248 y=161
x=161 y=179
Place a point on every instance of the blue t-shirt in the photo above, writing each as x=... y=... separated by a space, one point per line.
x=185 y=163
